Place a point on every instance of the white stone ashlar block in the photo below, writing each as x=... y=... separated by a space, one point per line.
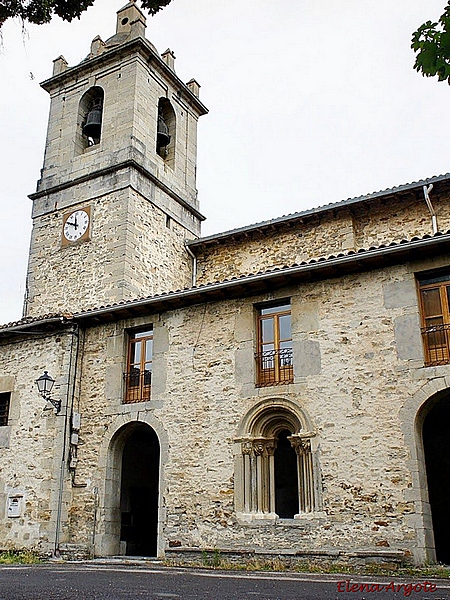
x=408 y=340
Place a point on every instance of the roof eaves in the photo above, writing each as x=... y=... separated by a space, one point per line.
x=28 y=324
x=322 y=267
x=217 y=237
x=202 y=293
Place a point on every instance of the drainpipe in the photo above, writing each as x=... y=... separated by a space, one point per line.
x=426 y=193
x=194 y=264
x=70 y=395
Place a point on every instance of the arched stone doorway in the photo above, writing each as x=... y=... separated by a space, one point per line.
x=132 y=492
x=436 y=445
x=139 y=487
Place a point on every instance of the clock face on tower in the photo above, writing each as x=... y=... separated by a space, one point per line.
x=76 y=226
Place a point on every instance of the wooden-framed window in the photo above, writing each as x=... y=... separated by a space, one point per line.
x=434 y=292
x=274 y=353
x=138 y=378
x=5 y=400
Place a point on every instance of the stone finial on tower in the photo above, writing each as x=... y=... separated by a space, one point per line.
x=59 y=65
x=131 y=20
x=97 y=46
x=169 y=58
x=194 y=86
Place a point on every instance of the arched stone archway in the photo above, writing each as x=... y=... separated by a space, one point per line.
x=139 y=489
x=131 y=506
x=436 y=448
x=422 y=413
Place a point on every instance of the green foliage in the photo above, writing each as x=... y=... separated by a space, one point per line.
x=431 y=43
x=41 y=11
x=153 y=6
x=214 y=560
x=12 y=557
x=211 y=560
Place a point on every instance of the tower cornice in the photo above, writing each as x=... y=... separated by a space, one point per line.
x=130 y=163
x=139 y=46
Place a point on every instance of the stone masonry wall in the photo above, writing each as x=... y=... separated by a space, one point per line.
x=157 y=259
x=31 y=443
x=357 y=361
x=392 y=220
x=321 y=235
x=131 y=254
x=78 y=276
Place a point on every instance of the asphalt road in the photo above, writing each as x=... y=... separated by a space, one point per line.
x=90 y=581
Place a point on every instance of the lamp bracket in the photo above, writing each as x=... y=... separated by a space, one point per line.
x=55 y=403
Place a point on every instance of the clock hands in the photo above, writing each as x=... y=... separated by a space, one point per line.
x=73 y=224
x=76 y=225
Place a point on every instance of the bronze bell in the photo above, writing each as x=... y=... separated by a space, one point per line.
x=163 y=137
x=93 y=125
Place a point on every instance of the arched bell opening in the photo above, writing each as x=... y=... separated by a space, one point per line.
x=166 y=132
x=90 y=118
x=435 y=418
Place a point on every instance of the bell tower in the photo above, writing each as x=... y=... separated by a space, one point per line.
x=117 y=196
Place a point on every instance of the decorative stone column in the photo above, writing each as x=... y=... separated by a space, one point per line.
x=306 y=488
x=258 y=475
x=246 y=475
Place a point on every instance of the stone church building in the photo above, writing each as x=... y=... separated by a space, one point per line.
x=282 y=389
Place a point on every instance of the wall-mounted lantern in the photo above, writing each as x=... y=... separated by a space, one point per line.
x=45 y=385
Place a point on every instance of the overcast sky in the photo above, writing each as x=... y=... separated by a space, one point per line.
x=311 y=102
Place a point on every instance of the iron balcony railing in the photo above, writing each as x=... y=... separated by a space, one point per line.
x=436 y=341
x=137 y=386
x=274 y=367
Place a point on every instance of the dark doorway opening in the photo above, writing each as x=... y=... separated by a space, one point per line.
x=436 y=442
x=139 y=492
x=286 y=479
